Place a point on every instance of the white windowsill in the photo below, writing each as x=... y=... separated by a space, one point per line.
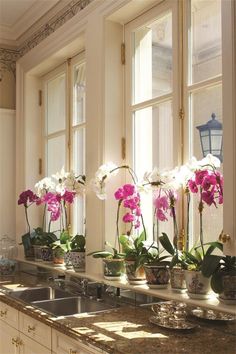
x=165 y=294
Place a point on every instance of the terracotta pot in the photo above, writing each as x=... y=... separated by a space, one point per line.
x=157 y=276
x=136 y=276
x=197 y=285
x=58 y=256
x=78 y=261
x=228 y=296
x=177 y=279
x=114 y=269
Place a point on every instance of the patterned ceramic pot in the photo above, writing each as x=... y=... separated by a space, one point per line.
x=228 y=296
x=177 y=279
x=114 y=269
x=197 y=285
x=135 y=275
x=157 y=276
x=58 y=256
x=38 y=253
x=67 y=260
x=78 y=261
x=47 y=254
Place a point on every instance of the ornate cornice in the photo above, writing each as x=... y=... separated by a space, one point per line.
x=8 y=57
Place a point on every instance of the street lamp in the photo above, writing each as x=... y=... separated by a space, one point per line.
x=211 y=136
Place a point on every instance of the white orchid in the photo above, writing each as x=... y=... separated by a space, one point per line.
x=104 y=171
x=61 y=176
x=102 y=175
x=45 y=185
x=68 y=181
x=98 y=186
x=210 y=160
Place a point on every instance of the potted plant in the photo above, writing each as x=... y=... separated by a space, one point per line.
x=77 y=253
x=113 y=262
x=222 y=270
x=177 y=264
x=60 y=247
x=135 y=252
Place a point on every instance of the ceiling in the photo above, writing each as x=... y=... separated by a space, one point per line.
x=17 y=16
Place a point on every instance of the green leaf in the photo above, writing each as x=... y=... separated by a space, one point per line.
x=210 y=264
x=139 y=240
x=101 y=254
x=217 y=282
x=165 y=242
x=213 y=246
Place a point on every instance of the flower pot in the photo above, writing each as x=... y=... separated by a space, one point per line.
x=67 y=260
x=197 y=285
x=228 y=296
x=47 y=254
x=114 y=269
x=38 y=253
x=58 y=256
x=177 y=279
x=157 y=276
x=136 y=276
x=78 y=261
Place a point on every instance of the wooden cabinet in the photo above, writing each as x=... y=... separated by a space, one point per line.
x=29 y=346
x=62 y=344
x=9 y=338
x=35 y=329
x=9 y=315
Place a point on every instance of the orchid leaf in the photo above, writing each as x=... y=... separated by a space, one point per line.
x=165 y=242
x=210 y=264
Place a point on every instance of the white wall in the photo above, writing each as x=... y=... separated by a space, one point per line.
x=7 y=172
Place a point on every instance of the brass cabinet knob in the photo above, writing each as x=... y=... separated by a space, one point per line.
x=31 y=329
x=224 y=237
x=73 y=351
x=13 y=341
x=3 y=313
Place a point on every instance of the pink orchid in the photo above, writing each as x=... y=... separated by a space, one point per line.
x=68 y=197
x=160 y=215
x=193 y=186
x=119 y=194
x=128 y=217
x=199 y=176
x=128 y=190
x=27 y=197
x=161 y=202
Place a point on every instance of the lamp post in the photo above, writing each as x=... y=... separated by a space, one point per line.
x=211 y=136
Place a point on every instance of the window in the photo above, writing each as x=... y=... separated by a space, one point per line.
x=64 y=126
x=165 y=77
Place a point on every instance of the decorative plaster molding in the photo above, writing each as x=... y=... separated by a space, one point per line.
x=52 y=25
x=8 y=57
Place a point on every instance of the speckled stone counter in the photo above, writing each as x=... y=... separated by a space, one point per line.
x=127 y=330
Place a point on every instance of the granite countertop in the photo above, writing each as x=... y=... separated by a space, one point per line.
x=127 y=330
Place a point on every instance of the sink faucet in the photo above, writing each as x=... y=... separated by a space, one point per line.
x=80 y=286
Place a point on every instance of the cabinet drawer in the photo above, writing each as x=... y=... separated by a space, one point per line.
x=34 y=329
x=9 y=315
x=29 y=346
x=62 y=344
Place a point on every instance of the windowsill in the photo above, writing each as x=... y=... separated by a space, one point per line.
x=165 y=294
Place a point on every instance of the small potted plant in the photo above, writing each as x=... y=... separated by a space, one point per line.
x=113 y=262
x=177 y=264
x=222 y=270
x=60 y=247
x=77 y=253
x=135 y=253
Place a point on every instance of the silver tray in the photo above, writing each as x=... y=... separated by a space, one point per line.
x=212 y=315
x=180 y=325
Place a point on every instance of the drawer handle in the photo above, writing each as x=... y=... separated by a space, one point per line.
x=31 y=329
x=17 y=342
x=73 y=351
x=3 y=313
x=13 y=341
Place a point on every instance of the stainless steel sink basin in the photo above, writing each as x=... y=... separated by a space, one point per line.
x=71 y=306
x=39 y=294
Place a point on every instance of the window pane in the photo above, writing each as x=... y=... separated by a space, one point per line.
x=205 y=47
x=56 y=108
x=203 y=103
x=79 y=94
x=153 y=147
x=56 y=154
x=152 y=51
x=79 y=151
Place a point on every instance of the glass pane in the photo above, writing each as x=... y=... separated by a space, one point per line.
x=153 y=128
x=203 y=103
x=152 y=65
x=56 y=154
x=206 y=53
x=56 y=108
x=79 y=94
x=79 y=151
x=78 y=225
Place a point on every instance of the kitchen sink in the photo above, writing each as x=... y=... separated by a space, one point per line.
x=39 y=294
x=71 y=306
